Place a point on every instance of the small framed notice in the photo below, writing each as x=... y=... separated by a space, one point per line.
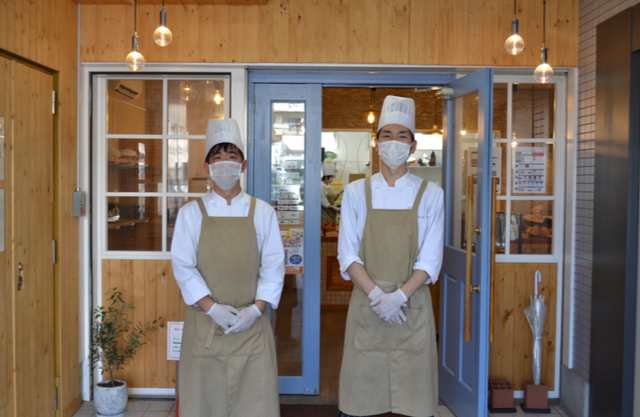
x=174 y=340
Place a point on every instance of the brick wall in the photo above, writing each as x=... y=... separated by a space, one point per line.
x=592 y=12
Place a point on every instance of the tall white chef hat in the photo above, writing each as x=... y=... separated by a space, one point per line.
x=398 y=110
x=328 y=169
x=223 y=131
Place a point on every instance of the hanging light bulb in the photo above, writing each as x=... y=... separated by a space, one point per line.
x=514 y=43
x=163 y=36
x=187 y=92
x=543 y=72
x=218 y=98
x=135 y=60
x=371 y=118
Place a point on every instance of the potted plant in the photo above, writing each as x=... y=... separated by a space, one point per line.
x=114 y=341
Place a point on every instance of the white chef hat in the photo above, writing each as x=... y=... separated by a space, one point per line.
x=328 y=169
x=398 y=110
x=223 y=131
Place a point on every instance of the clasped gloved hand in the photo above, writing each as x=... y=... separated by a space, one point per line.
x=223 y=314
x=246 y=317
x=389 y=305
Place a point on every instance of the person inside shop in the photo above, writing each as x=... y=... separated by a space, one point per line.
x=329 y=196
x=391 y=245
x=228 y=261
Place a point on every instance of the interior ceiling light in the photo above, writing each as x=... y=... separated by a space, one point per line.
x=514 y=43
x=187 y=92
x=135 y=60
x=218 y=99
x=371 y=113
x=163 y=36
x=544 y=72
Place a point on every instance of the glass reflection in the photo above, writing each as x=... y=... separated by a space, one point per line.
x=134 y=107
x=185 y=175
x=192 y=103
x=287 y=198
x=134 y=223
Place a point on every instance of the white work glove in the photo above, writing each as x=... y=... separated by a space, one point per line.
x=223 y=314
x=375 y=293
x=246 y=317
x=398 y=318
x=387 y=305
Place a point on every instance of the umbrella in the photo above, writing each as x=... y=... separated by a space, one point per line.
x=536 y=313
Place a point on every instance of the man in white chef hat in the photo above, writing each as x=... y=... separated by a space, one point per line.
x=390 y=245
x=228 y=261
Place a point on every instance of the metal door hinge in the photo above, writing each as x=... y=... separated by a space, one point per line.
x=53 y=259
x=53 y=102
x=20 y=278
x=55 y=398
x=311 y=391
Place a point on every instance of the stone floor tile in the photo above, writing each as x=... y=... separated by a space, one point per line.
x=87 y=405
x=156 y=414
x=85 y=413
x=160 y=405
x=133 y=413
x=137 y=405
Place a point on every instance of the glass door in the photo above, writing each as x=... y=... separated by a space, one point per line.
x=464 y=292
x=286 y=172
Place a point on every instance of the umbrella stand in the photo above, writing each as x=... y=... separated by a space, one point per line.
x=535 y=395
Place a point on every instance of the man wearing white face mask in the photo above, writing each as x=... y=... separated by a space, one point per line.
x=228 y=261
x=390 y=245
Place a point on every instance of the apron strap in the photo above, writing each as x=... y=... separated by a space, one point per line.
x=367 y=192
x=202 y=209
x=416 y=203
x=252 y=207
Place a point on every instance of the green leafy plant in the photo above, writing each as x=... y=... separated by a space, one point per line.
x=110 y=324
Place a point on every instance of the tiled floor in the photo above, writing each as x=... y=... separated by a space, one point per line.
x=158 y=408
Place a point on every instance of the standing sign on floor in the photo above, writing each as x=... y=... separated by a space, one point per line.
x=174 y=340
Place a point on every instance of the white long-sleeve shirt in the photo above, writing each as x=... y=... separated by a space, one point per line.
x=323 y=196
x=186 y=235
x=400 y=197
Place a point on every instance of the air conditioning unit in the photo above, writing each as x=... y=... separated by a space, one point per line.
x=126 y=91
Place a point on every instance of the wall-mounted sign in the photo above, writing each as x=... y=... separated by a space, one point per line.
x=293 y=242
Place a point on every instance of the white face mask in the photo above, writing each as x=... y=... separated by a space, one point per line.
x=225 y=173
x=394 y=153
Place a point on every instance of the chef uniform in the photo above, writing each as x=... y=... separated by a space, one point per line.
x=232 y=253
x=328 y=198
x=392 y=231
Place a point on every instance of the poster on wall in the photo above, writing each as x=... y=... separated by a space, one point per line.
x=293 y=242
x=529 y=170
x=174 y=340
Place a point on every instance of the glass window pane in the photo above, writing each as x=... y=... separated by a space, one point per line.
x=287 y=198
x=185 y=166
x=532 y=168
x=173 y=206
x=134 y=223
x=500 y=100
x=531 y=227
x=533 y=111
x=134 y=107
x=499 y=167
x=465 y=149
x=192 y=103
x=135 y=165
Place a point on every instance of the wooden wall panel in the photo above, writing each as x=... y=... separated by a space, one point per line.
x=419 y=32
x=510 y=354
x=44 y=32
x=151 y=287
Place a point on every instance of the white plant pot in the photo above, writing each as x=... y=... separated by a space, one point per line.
x=110 y=401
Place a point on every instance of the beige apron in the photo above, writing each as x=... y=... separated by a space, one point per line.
x=329 y=213
x=390 y=367
x=232 y=375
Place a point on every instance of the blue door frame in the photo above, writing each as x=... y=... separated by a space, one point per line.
x=306 y=84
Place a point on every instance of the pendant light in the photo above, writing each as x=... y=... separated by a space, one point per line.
x=544 y=72
x=135 y=60
x=514 y=43
x=163 y=36
x=371 y=114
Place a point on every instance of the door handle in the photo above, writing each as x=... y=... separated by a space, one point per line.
x=469 y=234
x=492 y=283
x=20 y=279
